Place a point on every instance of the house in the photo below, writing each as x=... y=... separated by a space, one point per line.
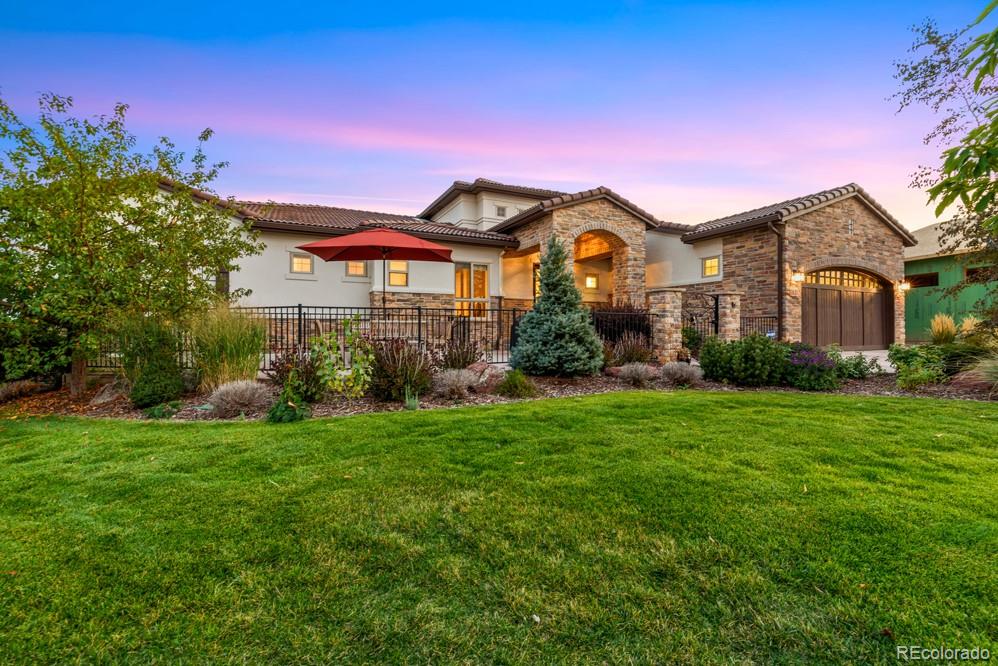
x=822 y=268
x=930 y=270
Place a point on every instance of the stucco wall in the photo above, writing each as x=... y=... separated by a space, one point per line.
x=478 y=211
x=671 y=262
x=268 y=275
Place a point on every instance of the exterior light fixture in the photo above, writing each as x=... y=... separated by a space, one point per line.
x=797 y=276
x=904 y=285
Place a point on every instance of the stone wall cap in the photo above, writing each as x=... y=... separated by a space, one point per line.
x=655 y=290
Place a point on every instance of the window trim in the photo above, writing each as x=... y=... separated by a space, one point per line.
x=398 y=271
x=291 y=263
x=703 y=266
x=346 y=270
x=472 y=299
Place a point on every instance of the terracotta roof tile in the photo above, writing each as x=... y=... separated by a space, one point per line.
x=777 y=212
x=313 y=217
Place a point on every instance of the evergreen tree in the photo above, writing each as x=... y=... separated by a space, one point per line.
x=556 y=337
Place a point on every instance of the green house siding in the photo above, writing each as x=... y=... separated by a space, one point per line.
x=922 y=303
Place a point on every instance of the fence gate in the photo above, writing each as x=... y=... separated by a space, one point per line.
x=700 y=312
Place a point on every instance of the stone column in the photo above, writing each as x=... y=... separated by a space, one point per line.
x=666 y=307
x=729 y=315
x=899 y=328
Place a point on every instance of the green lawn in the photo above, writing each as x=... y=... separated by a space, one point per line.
x=634 y=527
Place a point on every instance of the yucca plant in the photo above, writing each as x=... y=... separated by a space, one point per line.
x=228 y=346
x=942 y=329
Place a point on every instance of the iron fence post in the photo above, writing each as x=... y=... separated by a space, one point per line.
x=419 y=325
x=717 y=314
x=301 y=326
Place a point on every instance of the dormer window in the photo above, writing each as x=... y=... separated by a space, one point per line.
x=500 y=211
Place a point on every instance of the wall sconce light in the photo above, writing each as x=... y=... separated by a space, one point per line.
x=797 y=276
x=904 y=285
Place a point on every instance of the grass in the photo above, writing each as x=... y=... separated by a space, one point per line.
x=633 y=527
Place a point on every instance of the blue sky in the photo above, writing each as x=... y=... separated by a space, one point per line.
x=692 y=110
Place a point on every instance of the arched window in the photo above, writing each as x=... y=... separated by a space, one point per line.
x=841 y=278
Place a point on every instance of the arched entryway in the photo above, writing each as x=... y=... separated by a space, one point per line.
x=847 y=307
x=600 y=259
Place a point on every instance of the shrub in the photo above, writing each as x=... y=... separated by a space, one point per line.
x=289 y=407
x=344 y=370
x=159 y=381
x=18 y=389
x=638 y=375
x=399 y=366
x=411 y=400
x=165 y=410
x=453 y=383
x=752 y=361
x=308 y=382
x=692 y=340
x=227 y=345
x=811 y=369
x=631 y=347
x=942 y=329
x=987 y=370
x=516 y=385
x=855 y=366
x=969 y=326
x=917 y=365
x=681 y=374
x=556 y=338
x=960 y=356
x=458 y=353
x=239 y=397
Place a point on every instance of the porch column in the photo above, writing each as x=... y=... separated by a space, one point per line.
x=729 y=315
x=666 y=306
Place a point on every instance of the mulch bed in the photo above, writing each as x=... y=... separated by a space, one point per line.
x=192 y=407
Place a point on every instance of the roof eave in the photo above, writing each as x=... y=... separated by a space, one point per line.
x=706 y=234
x=319 y=230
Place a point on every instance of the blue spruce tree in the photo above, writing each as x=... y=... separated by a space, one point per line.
x=556 y=337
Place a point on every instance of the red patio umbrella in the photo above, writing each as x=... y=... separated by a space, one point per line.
x=381 y=244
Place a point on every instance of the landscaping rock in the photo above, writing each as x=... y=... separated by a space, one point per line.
x=108 y=393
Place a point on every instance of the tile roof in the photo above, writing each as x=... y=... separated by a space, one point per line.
x=485 y=185
x=332 y=219
x=778 y=212
x=563 y=199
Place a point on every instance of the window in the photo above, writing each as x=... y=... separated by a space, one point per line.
x=842 y=279
x=978 y=275
x=537 y=280
x=398 y=273
x=850 y=226
x=301 y=263
x=500 y=211
x=923 y=280
x=222 y=283
x=356 y=269
x=710 y=266
x=471 y=289
x=592 y=281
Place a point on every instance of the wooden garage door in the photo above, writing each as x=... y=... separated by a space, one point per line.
x=846 y=308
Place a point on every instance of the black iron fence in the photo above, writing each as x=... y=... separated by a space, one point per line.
x=759 y=325
x=701 y=313
x=612 y=325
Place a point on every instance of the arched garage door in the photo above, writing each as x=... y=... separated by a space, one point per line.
x=847 y=308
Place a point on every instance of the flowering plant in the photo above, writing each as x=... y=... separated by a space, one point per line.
x=811 y=369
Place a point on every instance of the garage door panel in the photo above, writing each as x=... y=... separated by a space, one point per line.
x=852 y=319
x=873 y=327
x=829 y=316
x=809 y=315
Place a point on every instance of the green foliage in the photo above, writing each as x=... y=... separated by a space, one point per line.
x=692 y=340
x=755 y=360
x=399 y=367
x=159 y=381
x=917 y=365
x=556 y=337
x=32 y=351
x=959 y=356
x=165 y=410
x=987 y=370
x=855 y=366
x=811 y=369
x=227 y=346
x=458 y=353
x=345 y=371
x=515 y=384
x=81 y=203
x=411 y=400
x=630 y=347
x=290 y=406
x=308 y=383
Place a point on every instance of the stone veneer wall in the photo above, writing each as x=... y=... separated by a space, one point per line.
x=570 y=222
x=822 y=239
x=818 y=239
x=410 y=299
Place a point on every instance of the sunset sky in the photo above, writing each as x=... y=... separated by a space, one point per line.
x=691 y=110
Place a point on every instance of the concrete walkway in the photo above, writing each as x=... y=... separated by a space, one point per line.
x=879 y=354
